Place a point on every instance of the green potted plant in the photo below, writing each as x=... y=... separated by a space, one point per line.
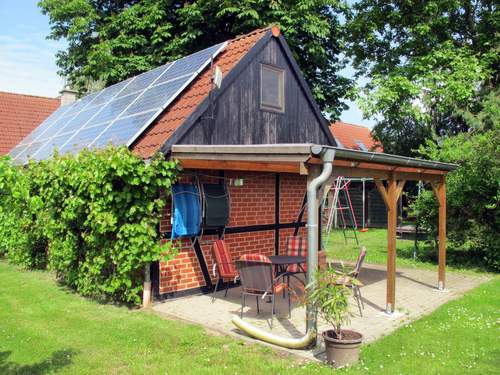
x=330 y=293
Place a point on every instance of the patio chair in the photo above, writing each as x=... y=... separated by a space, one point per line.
x=258 y=279
x=356 y=291
x=223 y=267
x=295 y=246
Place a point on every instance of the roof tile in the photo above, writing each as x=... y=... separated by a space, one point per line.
x=349 y=134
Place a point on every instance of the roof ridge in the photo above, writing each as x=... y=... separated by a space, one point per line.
x=30 y=95
x=340 y=122
x=251 y=33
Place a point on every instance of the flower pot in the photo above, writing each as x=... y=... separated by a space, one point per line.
x=342 y=352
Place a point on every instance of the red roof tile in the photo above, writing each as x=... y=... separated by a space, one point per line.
x=19 y=115
x=348 y=134
x=154 y=137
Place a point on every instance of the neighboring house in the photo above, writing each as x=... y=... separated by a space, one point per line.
x=355 y=137
x=262 y=99
x=368 y=207
x=20 y=114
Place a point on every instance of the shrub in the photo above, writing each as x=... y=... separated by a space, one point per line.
x=92 y=218
x=473 y=195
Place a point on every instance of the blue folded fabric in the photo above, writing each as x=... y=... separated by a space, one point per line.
x=187 y=211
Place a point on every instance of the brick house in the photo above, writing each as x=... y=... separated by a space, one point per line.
x=240 y=110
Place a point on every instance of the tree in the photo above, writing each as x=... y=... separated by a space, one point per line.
x=428 y=62
x=473 y=191
x=110 y=41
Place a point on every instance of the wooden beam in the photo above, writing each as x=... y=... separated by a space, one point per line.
x=240 y=165
x=399 y=189
x=392 y=197
x=440 y=193
x=383 y=192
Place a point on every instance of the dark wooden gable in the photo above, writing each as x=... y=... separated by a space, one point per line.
x=233 y=115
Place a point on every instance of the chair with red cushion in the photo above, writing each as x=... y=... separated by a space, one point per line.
x=258 y=279
x=296 y=246
x=224 y=267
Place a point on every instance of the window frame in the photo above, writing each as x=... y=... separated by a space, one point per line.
x=281 y=90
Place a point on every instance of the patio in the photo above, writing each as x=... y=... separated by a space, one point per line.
x=416 y=295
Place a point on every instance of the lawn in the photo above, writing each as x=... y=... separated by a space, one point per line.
x=375 y=241
x=45 y=329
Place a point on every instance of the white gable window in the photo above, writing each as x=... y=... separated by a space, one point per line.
x=272 y=88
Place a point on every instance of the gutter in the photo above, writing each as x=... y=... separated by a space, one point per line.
x=379 y=157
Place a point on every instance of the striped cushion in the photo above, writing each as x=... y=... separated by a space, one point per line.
x=295 y=246
x=255 y=257
x=223 y=259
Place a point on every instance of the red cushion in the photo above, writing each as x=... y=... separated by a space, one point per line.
x=255 y=257
x=295 y=246
x=223 y=259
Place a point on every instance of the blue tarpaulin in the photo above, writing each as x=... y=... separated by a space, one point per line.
x=187 y=211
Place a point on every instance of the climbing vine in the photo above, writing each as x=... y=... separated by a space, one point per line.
x=92 y=218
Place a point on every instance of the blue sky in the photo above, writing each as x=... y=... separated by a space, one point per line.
x=27 y=58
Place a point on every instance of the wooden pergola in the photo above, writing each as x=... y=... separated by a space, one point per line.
x=390 y=173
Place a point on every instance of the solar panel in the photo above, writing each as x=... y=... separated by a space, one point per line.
x=83 y=138
x=142 y=81
x=80 y=119
x=17 y=150
x=49 y=121
x=118 y=114
x=192 y=63
x=122 y=130
x=156 y=96
x=110 y=92
x=111 y=109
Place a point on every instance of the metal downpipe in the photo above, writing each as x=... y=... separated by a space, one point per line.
x=314 y=186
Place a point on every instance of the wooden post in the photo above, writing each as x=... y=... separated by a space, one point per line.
x=440 y=193
x=390 y=195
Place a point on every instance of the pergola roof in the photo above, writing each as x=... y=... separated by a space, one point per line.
x=293 y=158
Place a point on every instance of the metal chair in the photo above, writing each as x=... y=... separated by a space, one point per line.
x=223 y=267
x=258 y=279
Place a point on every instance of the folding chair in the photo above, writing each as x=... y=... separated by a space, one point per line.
x=224 y=267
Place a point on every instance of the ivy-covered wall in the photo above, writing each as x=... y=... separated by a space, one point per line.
x=92 y=218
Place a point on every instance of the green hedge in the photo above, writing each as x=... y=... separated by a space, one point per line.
x=473 y=196
x=92 y=218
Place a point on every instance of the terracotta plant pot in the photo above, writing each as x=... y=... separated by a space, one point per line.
x=344 y=352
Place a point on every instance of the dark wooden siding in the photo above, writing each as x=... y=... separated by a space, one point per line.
x=236 y=117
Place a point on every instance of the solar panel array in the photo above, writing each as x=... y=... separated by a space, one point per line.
x=117 y=115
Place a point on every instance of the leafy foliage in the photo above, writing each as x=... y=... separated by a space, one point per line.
x=110 y=41
x=427 y=61
x=473 y=195
x=92 y=218
x=329 y=292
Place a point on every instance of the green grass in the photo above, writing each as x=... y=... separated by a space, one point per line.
x=375 y=241
x=45 y=329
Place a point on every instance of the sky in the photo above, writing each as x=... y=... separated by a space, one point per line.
x=28 y=62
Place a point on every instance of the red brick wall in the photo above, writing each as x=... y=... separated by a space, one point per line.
x=251 y=204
